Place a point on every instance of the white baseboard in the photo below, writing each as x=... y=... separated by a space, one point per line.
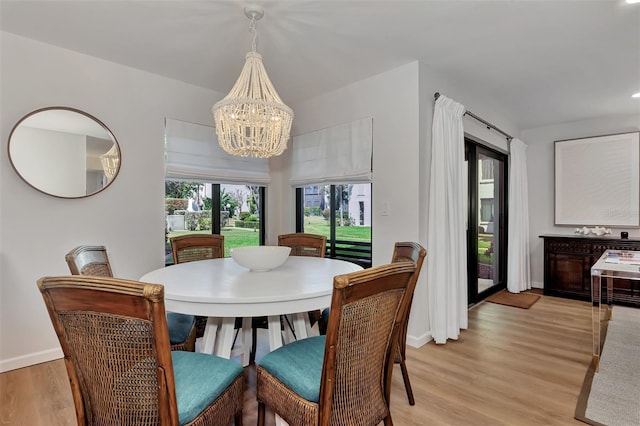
x=30 y=359
x=536 y=284
x=422 y=340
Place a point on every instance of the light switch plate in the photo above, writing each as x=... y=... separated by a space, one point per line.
x=385 y=208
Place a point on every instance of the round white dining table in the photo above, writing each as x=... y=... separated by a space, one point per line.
x=222 y=290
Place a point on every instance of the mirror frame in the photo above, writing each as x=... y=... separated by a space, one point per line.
x=75 y=110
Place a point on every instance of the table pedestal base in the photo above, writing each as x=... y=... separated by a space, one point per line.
x=220 y=332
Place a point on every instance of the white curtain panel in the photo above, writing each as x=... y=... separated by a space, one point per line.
x=335 y=155
x=446 y=241
x=518 y=266
x=192 y=153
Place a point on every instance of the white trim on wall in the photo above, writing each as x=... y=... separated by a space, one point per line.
x=30 y=359
x=417 y=341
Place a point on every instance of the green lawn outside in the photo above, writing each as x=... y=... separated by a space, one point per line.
x=318 y=225
x=484 y=242
x=233 y=237
x=240 y=237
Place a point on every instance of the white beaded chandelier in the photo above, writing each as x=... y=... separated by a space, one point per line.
x=252 y=120
x=111 y=162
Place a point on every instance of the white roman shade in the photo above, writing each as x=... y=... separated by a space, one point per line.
x=192 y=153
x=335 y=155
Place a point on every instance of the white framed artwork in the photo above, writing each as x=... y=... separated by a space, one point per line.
x=597 y=181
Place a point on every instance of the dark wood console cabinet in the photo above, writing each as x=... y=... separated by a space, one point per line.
x=567 y=266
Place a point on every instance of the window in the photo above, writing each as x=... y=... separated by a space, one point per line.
x=343 y=214
x=486 y=169
x=234 y=211
x=323 y=161
x=486 y=210
x=210 y=191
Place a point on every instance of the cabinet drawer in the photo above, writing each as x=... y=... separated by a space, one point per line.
x=599 y=248
x=569 y=247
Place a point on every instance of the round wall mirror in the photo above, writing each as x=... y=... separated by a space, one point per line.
x=64 y=152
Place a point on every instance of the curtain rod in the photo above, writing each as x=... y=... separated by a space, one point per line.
x=486 y=123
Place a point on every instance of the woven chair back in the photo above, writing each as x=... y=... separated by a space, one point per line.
x=304 y=244
x=192 y=247
x=415 y=253
x=114 y=337
x=89 y=260
x=360 y=335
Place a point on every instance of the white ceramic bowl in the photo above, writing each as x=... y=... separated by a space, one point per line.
x=260 y=258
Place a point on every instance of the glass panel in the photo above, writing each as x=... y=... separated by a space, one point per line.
x=242 y=226
x=488 y=204
x=185 y=211
x=189 y=208
x=315 y=201
x=348 y=212
x=348 y=226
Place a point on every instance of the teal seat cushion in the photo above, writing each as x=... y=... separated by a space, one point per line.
x=179 y=326
x=299 y=366
x=200 y=379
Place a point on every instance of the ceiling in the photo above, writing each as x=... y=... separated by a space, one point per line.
x=541 y=62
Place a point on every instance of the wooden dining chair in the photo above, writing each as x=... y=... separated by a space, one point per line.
x=301 y=244
x=89 y=260
x=402 y=252
x=122 y=371
x=193 y=247
x=304 y=244
x=190 y=247
x=415 y=253
x=343 y=377
x=93 y=261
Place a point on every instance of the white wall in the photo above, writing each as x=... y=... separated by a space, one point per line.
x=540 y=166
x=52 y=161
x=391 y=98
x=401 y=104
x=37 y=230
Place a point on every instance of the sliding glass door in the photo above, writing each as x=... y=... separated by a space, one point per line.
x=486 y=234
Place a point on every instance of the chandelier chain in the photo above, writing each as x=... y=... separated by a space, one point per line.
x=254 y=32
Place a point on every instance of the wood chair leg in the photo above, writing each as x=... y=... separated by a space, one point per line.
x=254 y=343
x=260 y=413
x=291 y=328
x=238 y=418
x=322 y=326
x=407 y=383
x=387 y=420
x=235 y=337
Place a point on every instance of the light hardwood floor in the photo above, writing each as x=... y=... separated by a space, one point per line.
x=511 y=367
